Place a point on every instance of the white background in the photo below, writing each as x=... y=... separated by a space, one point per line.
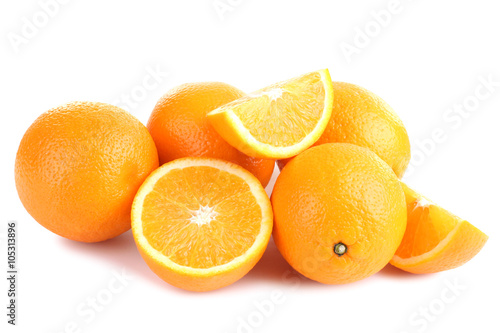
x=428 y=57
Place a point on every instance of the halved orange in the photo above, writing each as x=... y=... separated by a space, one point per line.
x=435 y=240
x=201 y=223
x=278 y=121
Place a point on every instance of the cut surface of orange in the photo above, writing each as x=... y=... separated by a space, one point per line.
x=280 y=120
x=201 y=223
x=435 y=240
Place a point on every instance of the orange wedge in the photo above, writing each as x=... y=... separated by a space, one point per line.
x=200 y=223
x=279 y=121
x=435 y=240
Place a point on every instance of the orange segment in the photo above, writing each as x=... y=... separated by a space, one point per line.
x=201 y=223
x=280 y=120
x=435 y=240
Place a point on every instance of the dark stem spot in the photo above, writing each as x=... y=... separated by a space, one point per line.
x=340 y=249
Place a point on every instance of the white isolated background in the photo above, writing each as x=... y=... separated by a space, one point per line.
x=427 y=59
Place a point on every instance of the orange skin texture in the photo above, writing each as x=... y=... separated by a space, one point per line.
x=362 y=118
x=79 y=166
x=338 y=193
x=179 y=127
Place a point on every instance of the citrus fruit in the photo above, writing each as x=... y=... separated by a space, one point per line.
x=79 y=166
x=201 y=223
x=362 y=118
x=179 y=127
x=339 y=213
x=435 y=239
x=278 y=121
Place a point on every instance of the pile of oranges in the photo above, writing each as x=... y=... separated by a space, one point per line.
x=191 y=183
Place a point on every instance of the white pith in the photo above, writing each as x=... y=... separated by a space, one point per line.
x=203 y=215
x=423 y=202
x=273 y=94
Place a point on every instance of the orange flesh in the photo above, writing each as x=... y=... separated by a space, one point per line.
x=422 y=233
x=201 y=217
x=275 y=127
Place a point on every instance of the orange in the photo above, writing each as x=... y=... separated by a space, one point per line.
x=179 y=127
x=435 y=240
x=339 y=213
x=278 y=121
x=362 y=118
x=79 y=166
x=201 y=223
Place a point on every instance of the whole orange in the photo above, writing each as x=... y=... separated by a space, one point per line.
x=339 y=213
x=362 y=118
x=180 y=128
x=79 y=166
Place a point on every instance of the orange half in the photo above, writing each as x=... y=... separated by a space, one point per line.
x=200 y=223
x=435 y=240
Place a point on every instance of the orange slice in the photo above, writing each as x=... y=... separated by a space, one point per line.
x=200 y=223
x=435 y=240
x=278 y=121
